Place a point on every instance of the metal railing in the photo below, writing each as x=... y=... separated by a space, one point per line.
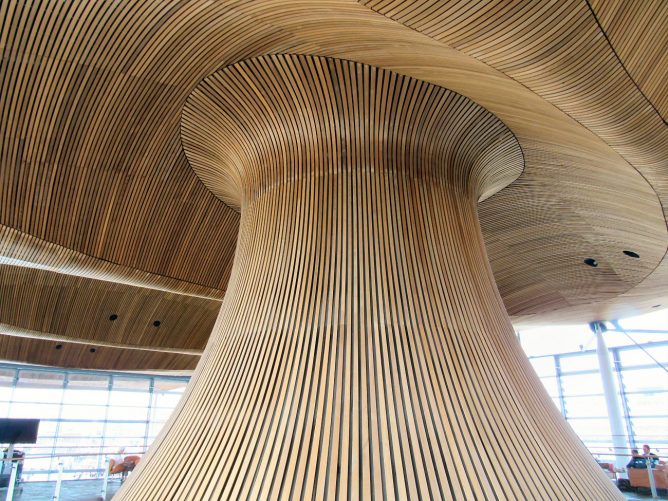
x=102 y=494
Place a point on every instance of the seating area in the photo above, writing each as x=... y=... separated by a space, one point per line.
x=639 y=478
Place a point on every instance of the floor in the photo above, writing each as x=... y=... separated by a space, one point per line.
x=641 y=496
x=88 y=490
x=71 y=490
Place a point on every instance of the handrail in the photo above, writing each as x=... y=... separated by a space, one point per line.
x=48 y=456
x=606 y=452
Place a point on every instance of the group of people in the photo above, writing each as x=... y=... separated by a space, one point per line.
x=640 y=460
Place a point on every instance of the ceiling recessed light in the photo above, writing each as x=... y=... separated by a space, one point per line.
x=656 y=306
x=591 y=262
x=113 y=317
x=631 y=254
x=59 y=346
x=93 y=350
x=156 y=323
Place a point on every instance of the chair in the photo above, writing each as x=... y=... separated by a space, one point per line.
x=640 y=478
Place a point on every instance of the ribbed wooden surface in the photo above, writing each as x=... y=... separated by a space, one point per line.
x=21 y=249
x=602 y=63
x=22 y=349
x=68 y=306
x=362 y=350
x=266 y=121
x=637 y=32
x=95 y=182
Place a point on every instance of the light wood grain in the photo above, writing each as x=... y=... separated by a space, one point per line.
x=362 y=350
x=363 y=347
x=92 y=160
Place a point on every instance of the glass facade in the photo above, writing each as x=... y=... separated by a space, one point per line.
x=91 y=414
x=574 y=383
x=86 y=414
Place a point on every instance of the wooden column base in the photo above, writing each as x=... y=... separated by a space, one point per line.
x=362 y=350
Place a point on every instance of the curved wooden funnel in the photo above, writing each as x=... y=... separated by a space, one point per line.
x=362 y=349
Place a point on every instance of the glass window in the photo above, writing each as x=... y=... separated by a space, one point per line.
x=38 y=463
x=96 y=412
x=33 y=410
x=131 y=384
x=155 y=427
x=85 y=396
x=590 y=429
x=131 y=444
x=81 y=417
x=128 y=398
x=582 y=384
x=39 y=386
x=648 y=404
x=79 y=445
x=544 y=366
x=578 y=362
x=6 y=385
x=647 y=380
x=168 y=393
x=636 y=356
x=130 y=392
x=74 y=429
x=589 y=406
x=87 y=390
x=161 y=414
x=126 y=429
x=650 y=429
x=47 y=428
x=119 y=413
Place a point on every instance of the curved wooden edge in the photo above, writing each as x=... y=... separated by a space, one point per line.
x=20 y=249
x=245 y=127
x=13 y=331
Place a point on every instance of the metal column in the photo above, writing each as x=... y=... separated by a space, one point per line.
x=619 y=438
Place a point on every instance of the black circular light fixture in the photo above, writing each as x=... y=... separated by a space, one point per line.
x=113 y=317
x=93 y=350
x=656 y=306
x=156 y=323
x=59 y=347
x=631 y=254
x=590 y=261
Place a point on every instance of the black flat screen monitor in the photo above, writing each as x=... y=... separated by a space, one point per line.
x=18 y=431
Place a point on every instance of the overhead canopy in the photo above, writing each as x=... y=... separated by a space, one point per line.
x=102 y=214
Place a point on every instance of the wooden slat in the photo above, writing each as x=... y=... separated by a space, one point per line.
x=12 y=331
x=20 y=249
x=637 y=32
x=79 y=355
x=80 y=307
x=362 y=350
x=92 y=161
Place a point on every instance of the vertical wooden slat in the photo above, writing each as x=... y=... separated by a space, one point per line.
x=362 y=350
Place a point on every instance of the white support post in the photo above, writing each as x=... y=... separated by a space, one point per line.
x=59 y=480
x=12 y=481
x=105 y=480
x=9 y=456
x=652 y=485
x=619 y=439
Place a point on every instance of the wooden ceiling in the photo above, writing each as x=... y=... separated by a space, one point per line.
x=101 y=211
